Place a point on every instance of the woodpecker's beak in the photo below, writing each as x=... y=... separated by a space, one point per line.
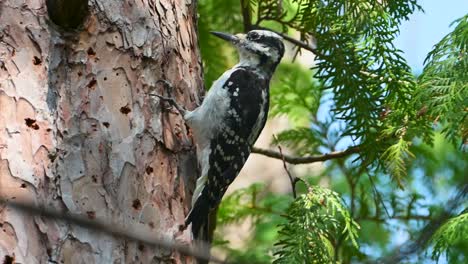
x=234 y=39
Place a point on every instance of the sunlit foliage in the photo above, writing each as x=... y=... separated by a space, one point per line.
x=412 y=132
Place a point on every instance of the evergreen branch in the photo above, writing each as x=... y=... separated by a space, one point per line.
x=388 y=80
x=301 y=44
x=415 y=244
x=308 y=159
x=452 y=233
x=444 y=83
x=395 y=159
x=315 y=219
x=108 y=227
x=306 y=46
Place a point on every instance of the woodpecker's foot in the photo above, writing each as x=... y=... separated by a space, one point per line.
x=168 y=87
x=171 y=102
x=182 y=227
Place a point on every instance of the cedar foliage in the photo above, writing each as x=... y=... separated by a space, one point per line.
x=401 y=123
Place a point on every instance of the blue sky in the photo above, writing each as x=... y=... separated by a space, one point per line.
x=424 y=30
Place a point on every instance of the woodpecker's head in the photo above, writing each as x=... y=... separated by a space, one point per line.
x=258 y=48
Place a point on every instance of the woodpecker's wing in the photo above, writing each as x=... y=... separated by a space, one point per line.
x=231 y=144
x=245 y=119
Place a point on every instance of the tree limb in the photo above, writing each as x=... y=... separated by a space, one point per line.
x=308 y=159
x=108 y=227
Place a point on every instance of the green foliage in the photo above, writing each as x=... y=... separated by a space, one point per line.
x=315 y=221
x=369 y=78
x=444 y=83
x=294 y=93
x=395 y=157
x=440 y=158
x=453 y=234
x=400 y=123
x=215 y=63
x=441 y=97
x=356 y=60
x=264 y=210
x=244 y=203
x=301 y=139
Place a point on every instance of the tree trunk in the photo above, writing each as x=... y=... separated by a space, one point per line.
x=79 y=133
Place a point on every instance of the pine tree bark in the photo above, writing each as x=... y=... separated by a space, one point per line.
x=79 y=133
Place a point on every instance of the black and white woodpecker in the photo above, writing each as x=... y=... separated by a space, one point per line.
x=229 y=120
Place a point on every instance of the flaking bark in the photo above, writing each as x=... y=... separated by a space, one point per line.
x=79 y=133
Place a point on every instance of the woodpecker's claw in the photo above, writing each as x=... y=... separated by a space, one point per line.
x=172 y=102
x=166 y=84
x=169 y=100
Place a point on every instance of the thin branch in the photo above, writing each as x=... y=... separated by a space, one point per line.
x=308 y=159
x=410 y=217
x=108 y=227
x=292 y=179
x=296 y=42
x=377 y=194
x=246 y=15
x=295 y=54
x=415 y=244
x=301 y=44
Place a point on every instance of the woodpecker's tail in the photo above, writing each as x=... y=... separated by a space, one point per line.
x=199 y=217
x=203 y=221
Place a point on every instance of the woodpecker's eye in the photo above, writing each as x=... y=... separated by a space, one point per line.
x=254 y=36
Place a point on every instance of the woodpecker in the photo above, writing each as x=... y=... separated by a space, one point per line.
x=229 y=120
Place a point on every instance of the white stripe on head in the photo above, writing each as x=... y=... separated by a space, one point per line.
x=267 y=33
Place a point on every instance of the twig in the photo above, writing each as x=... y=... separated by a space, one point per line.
x=171 y=102
x=308 y=159
x=296 y=53
x=292 y=179
x=246 y=16
x=409 y=217
x=109 y=228
x=413 y=245
x=296 y=42
x=168 y=87
x=377 y=193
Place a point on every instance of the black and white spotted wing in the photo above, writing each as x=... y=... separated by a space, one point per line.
x=246 y=118
x=232 y=143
